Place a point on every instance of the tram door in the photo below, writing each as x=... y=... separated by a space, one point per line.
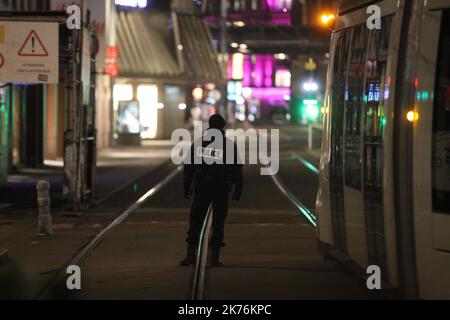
x=354 y=100
x=431 y=154
x=374 y=132
x=337 y=140
x=441 y=142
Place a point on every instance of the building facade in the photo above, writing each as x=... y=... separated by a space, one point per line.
x=149 y=62
x=269 y=45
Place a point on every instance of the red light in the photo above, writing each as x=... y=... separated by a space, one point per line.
x=416 y=83
x=112 y=70
x=112 y=61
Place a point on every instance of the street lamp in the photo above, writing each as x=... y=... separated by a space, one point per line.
x=327 y=19
x=310 y=86
x=197 y=93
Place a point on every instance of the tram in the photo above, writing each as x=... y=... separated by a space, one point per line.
x=384 y=196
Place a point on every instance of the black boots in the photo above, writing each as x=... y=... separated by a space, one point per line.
x=215 y=258
x=190 y=258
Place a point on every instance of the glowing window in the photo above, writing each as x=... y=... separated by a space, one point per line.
x=283 y=78
x=123 y=92
x=148 y=102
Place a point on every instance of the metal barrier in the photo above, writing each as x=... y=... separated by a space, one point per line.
x=199 y=281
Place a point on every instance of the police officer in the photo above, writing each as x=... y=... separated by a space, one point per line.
x=213 y=172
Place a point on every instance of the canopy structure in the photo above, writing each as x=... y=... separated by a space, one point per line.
x=170 y=46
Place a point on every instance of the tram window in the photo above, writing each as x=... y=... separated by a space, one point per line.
x=340 y=67
x=374 y=120
x=338 y=101
x=353 y=108
x=441 y=125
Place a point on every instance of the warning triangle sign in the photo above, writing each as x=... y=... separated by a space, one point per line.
x=33 y=46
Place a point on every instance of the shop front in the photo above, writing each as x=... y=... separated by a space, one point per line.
x=146 y=110
x=166 y=76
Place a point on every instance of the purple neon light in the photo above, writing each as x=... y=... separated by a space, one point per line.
x=258 y=71
x=270 y=95
x=281 y=20
x=271 y=4
x=279 y=5
x=268 y=70
x=246 y=82
x=276 y=12
x=230 y=67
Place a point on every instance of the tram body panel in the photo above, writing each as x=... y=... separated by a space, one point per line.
x=352 y=144
x=390 y=222
x=323 y=208
x=356 y=230
x=432 y=225
x=378 y=145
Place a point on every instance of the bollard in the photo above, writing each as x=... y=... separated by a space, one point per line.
x=43 y=200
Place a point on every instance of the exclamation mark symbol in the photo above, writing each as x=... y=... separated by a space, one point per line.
x=32 y=44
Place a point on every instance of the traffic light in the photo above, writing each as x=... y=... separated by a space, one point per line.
x=311 y=109
x=308 y=109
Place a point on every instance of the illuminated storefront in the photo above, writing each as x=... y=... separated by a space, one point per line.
x=259 y=83
x=163 y=78
x=136 y=111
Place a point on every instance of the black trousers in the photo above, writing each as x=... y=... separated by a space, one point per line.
x=205 y=195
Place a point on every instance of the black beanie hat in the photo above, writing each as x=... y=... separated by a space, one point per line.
x=217 y=122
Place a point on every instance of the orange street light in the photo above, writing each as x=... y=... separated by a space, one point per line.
x=327 y=18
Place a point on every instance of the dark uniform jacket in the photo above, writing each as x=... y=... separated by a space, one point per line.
x=214 y=164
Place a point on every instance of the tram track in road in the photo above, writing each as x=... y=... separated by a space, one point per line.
x=304 y=210
x=308 y=214
x=199 y=280
x=207 y=282
x=200 y=276
x=201 y=270
x=84 y=252
x=130 y=184
x=201 y=273
x=306 y=163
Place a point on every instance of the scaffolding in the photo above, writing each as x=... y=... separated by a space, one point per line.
x=80 y=135
x=78 y=75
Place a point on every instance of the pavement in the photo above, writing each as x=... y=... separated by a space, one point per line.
x=271 y=248
x=20 y=191
x=31 y=261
